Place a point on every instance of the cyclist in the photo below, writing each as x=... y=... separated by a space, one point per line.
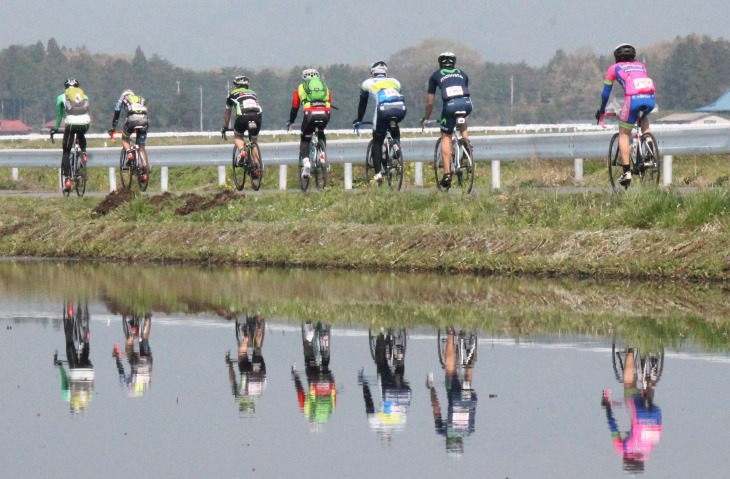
x=389 y=104
x=72 y=106
x=639 y=96
x=315 y=98
x=461 y=397
x=319 y=399
x=77 y=384
x=636 y=444
x=455 y=97
x=137 y=122
x=252 y=369
x=248 y=117
x=140 y=360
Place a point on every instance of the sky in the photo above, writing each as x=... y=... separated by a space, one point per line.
x=211 y=34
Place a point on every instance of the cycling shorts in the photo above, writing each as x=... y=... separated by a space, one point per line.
x=384 y=112
x=632 y=105
x=312 y=119
x=248 y=120
x=136 y=124
x=448 y=113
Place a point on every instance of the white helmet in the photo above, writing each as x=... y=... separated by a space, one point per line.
x=379 y=68
x=309 y=73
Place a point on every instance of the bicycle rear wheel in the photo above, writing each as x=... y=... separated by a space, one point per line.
x=395 y=165
x=257 y=172
x=369 y=167
x=651 y=166
x=319 y=169
x=142 y=172
x=81 y=176
x=239 y=174
x=126 y=171
x=615 y=170
x=465 y=164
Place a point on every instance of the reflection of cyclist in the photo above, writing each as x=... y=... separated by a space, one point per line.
x=389 y=103
x=77 y=384
x=316 y=101
x=395 y=390
x=252 y=369
x=639 y=441
x=72 y=106
x=135 y=106
x=318 y=401
x=248 y=117
x=140 y=360
x=462 y=399
x=454 y=85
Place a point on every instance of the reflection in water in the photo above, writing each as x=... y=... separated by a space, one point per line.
x=458 y=355
x=250 y=337
x=136 y=328
x=77 y=384
x=318 y=401
x=388 y=350
x=639 y=373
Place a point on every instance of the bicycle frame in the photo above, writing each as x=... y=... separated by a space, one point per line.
x=391 y=166
x=644 y=157
x=248 y=168
x=317 y=160
x=77 y=168
x=462 y=158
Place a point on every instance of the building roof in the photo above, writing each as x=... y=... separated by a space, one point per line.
x=697 y=118
x=14 y=127
x=722 y=104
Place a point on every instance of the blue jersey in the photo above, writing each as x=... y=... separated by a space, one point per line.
x=453 y=83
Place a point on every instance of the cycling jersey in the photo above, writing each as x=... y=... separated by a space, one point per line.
x=638 y=89
x=71 y=120
x=299 y=98
x=243 y=100
x=389 y=102
x=453 y=83
x=136 y=108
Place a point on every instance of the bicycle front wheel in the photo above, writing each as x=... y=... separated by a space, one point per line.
x=615 y=170
x=395 y=165
x=257 y=172
x=81 y=176
x=465 y=166
x=125 y=170
x=239 y=173
x=321 y=175
x=369 y=167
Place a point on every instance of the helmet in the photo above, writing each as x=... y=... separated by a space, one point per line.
x=128 y=91
x=447 y=60
x=71 y=82
x=241 y=81
x=624 y=52
x=379 y=68
x=309 y=73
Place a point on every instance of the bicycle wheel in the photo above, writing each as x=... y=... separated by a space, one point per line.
x=395 y=165
x=465 y=166
x=369 y=167
x=651 y=166
x=82 y=175
x=239 y=173
x=71 y=167
x=372 y=339
x=438 y=165
x=142 y=172
x=615 y=170
x=470 y=349
x=320 y=170
x=400 y=340
x=126 y=170
x=441 y=338
x=257 y=173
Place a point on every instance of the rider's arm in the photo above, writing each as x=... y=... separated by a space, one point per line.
x=295 y=102
x=429 y=105
x=605 y=95
x=60 y=110
x=362 y=106
x=226 y=117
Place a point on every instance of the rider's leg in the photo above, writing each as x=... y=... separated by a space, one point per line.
x=624 y=140
x=446 y=151
x=68 y=138
x=377 y=151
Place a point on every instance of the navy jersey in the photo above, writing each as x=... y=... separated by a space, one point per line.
x=453 y=83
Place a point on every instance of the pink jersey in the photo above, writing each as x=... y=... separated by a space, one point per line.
x=632 y=76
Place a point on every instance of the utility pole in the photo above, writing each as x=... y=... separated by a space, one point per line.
x=178 y=86
x=511 y=98
x=201 y=108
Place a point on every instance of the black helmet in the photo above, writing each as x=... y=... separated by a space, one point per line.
x=624 y=53
x=447 y=60
x=241 y=81
x=71 y=82
x=379 y=68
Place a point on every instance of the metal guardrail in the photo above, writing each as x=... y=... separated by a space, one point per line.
x=673 y=140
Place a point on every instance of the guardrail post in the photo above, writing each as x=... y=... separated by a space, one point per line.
x=418 y=173
x=60 y=179
x=667 y=170
x=164 y=179
x=348 y=176
x=578 y=169
x=282 y=177
x=221 y=175
x=496 y=181
x=14 y=174
x=112 y=179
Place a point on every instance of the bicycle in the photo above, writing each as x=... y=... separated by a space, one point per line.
x=395 y=341
x=462 y=158
x=77 y=166
x=129 y=166
x=644 y=157
x=648 y=366
x=320 y=340
x=244 y=168
x=392 y=157
x=465 y=347
x=317 y=159
x=252 y=330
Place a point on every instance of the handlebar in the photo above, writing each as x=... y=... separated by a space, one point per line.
x=427 y=122
x=223 y=133
x=53 y=132
x=356 y=128
x=600 y=118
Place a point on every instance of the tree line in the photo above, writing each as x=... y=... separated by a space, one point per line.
x=689 y=72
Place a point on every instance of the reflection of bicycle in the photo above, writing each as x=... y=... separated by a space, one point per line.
x=465 y=347
x=391 y=165
x=644 y=157
x=394 y=342
x=245 y=166
x=648 y=365
x=252 y=330
x=319 y=337
x=462 y=159
x=317 y=159
x=77 y=168
x=77 y=383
